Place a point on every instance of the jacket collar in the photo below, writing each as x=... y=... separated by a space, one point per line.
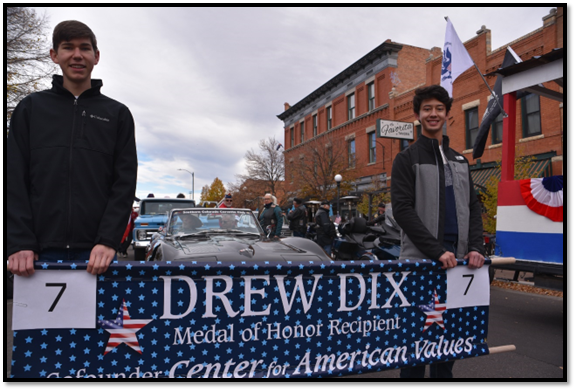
x=58 y=86
x=431 y=144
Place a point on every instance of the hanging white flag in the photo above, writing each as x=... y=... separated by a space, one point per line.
x=455 y=59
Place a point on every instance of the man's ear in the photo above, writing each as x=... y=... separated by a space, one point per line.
x=97 y=57
x=54 y=56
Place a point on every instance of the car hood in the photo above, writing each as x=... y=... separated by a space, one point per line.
x=235 y=249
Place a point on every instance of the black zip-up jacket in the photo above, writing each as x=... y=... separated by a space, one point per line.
x=71 y=169
x=418 y=199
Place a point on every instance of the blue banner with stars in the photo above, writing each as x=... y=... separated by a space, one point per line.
x=251 y=320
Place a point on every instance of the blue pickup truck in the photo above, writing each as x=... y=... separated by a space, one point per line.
x=153 y=215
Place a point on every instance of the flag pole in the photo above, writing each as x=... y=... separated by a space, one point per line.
x=504 y=114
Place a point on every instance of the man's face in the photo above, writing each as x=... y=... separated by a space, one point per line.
x=76 y=58
x=432 y=116
x=228 y=202
x=267 y=200
x=381 y=210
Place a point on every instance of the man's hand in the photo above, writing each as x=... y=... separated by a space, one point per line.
x=475 y=260
x=100 y=258
x=448 y=260
x=22 y=263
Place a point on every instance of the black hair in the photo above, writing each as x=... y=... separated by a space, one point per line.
x=433 y=91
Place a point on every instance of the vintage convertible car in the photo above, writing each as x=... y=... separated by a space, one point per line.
x=200 y=234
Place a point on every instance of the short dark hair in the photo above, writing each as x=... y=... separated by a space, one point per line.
x=69 y=30
x=298 y=200
x=433 y=91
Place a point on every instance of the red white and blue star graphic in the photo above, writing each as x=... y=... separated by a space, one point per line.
x=123 y=329
x=433 y=311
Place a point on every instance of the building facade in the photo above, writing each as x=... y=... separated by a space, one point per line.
x=381 y=85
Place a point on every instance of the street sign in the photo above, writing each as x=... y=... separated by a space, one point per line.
x=395 y=129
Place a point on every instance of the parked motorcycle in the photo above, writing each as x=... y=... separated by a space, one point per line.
x=360 y=241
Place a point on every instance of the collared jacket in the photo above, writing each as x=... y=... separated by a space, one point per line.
x=71 y=170
x=325 y=230
x=272 y=217
x=298 y=219
x=418 y=198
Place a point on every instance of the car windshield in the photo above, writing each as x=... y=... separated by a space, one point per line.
x=161 y=207
x=201 y=222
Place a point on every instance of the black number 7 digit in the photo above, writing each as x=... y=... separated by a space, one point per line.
x=469 y=283
x=63 y=286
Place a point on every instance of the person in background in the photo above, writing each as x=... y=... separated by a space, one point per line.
x=151 y=195
x=227 y=201
x=180 y=195
x=298 y=218
x=271 y=216
x=380 y=217
x=325 y=230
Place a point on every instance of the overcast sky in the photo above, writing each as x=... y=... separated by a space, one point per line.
x=206 y=84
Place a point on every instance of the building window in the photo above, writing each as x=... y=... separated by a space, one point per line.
x=291 y=137
x=497 y=127
x=315 y=125
x=531 y=115
x=372 y=147
x=301 y=132
x=371 y=97
x=471 y=119
x=352 y=153
x=329 y=117
x=351 y=107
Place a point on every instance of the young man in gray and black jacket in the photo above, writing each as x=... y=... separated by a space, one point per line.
x=434 y=200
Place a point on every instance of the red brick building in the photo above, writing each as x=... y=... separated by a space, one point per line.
x=381 y=85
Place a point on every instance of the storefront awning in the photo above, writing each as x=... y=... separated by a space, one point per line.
x=540 y=168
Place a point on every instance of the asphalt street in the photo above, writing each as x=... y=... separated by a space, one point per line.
x=535 y=324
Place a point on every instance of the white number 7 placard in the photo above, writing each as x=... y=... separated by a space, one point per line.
x=467 y=287
x=51 y=299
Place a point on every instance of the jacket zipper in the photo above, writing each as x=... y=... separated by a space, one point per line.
x=438 y=177
x=83 y=124
x=68 y=235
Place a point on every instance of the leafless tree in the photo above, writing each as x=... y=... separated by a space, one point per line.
x=28 y=63
x=266 y=166
x=314 y=169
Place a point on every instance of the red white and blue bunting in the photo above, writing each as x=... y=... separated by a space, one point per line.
x=545 y=196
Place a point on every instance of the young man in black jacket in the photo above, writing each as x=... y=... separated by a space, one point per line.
x=434 y=200
x=71 y=164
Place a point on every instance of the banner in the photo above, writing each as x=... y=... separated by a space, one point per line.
x=245 y=319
